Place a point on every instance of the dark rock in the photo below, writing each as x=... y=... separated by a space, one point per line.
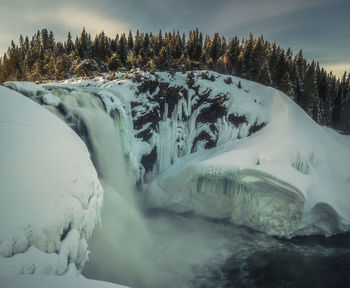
x=237 y=120
x=149 y=160
x=255 y=128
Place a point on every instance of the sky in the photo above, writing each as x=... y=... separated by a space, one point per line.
x=319 y=27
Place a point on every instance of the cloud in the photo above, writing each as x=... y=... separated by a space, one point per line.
x=253 y=14
x=337 y=69
x=74 y=18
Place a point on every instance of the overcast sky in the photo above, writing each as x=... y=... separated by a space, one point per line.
x=320 y=27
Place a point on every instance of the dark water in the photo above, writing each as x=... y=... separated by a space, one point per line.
x=286 y=267
x=197 y=252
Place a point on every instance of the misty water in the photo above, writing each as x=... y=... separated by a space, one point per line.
x=155 y=248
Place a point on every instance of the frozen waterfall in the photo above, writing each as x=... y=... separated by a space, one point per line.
x=120 y=247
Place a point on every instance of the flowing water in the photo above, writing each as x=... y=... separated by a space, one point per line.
x=161 y=249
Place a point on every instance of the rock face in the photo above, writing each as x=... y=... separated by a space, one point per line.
x=50 y=194
x=223 y=149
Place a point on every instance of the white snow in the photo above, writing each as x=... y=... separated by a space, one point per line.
x=50 y=194
x=51 y=99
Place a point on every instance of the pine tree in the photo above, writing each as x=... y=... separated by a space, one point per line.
x=248 y=53
x=264 y=75
x=310 y=103
x=160 y=43
x=273 y=60
x=131 y=61
x=239 y=66
x=233 y=52
x=69 y=44
x=257 y=59
x=150 y=66
x=51 y=42
x=82 y=44
x=137 y=43
x=215 y=47
x=102 y=47
x=281 y=70
x=122 y=49
x=130 y=41
x=114 y=62
x=162 y=59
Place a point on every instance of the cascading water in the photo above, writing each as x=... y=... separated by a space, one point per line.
x=171 y=250
x=120 y=247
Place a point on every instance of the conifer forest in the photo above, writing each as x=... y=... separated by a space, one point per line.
x=321 y=94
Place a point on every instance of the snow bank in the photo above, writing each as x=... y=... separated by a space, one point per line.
x=50 y=194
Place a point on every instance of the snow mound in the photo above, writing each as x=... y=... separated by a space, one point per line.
x=50 y=194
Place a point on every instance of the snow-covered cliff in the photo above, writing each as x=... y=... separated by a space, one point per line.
x=221 y=147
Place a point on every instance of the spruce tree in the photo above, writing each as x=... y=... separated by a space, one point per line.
x=247 y=56
x=162 y=59
x=233 y=52
x=264 y=75
x=137 y=43
x=257 y=59
x=69 y=44
x=122 y=49
x=215 y=47
x=310 y=101
x=130 y=41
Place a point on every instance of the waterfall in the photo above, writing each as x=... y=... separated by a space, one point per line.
x=120 y=248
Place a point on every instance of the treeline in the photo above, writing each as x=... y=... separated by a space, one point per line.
x=321 y=94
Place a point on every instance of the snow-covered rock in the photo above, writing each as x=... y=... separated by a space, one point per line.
x=50 y=99
x=50 y=194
